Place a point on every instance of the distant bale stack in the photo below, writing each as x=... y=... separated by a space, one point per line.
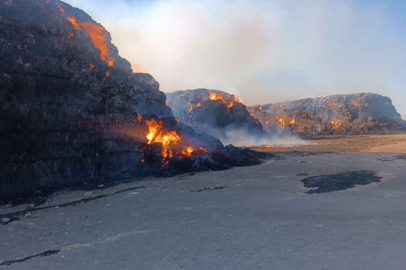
x=332 y=115
x=217 y=113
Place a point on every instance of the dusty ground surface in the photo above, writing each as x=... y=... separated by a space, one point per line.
x=366 y=143
x=299 y=211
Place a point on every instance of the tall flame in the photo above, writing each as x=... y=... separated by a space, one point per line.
x=155 y=135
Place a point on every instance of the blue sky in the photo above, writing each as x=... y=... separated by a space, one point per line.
x=263 y=51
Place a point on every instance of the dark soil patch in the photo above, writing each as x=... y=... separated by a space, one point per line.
x=342 y=181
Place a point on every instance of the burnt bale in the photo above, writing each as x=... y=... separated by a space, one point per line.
x=353 y=114
x=217 y=113
x=71 y=109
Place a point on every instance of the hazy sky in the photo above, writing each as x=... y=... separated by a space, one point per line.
x=264 y=51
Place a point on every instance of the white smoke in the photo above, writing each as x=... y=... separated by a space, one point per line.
x=262 y=51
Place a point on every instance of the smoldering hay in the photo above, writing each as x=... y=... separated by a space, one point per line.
x=353 y=114
x=225 y=116
x=73 y=111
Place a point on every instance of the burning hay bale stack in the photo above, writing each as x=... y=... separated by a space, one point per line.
x=217 y=113
x=71 y=109
x=340 y=114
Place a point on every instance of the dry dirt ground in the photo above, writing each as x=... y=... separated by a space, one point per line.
x=365 y=144
x=298 y=210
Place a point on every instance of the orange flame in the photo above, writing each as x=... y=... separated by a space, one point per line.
x=91 y=66
x=331 y=105
x=191 y=108
x=99 y=37
x=189 y=150
x=155 y=135
x=215 y=96
x=107 y=74
x=199 y=105
x=59 y=6
x=74 y=23
x=239 y=100
x=281 y=120
x=230 y=104
x=334 y=123
x=356 y=103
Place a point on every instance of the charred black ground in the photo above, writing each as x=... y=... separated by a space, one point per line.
x=342 y=181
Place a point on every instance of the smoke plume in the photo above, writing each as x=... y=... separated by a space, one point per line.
x=262 y=51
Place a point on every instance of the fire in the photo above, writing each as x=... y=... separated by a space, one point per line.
x=229 y=100
x=356 y=103
x=99 y=37
x=199 y=105
x=74 y=23
x=334 y=123
x=59 y=6
x=214 y=96
x=189 y=150
x=260 y=108
x=21 y=47
x=331 y=105
x=139 y=118
x=91 y=66
x=281 y=121
x=191 y=108
x=71 y=35
x=268 y=146
x=239 y=100
x=267 y=123
x=107 y=74
x=380 y=124
x=155 y=135
x=177 y=120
